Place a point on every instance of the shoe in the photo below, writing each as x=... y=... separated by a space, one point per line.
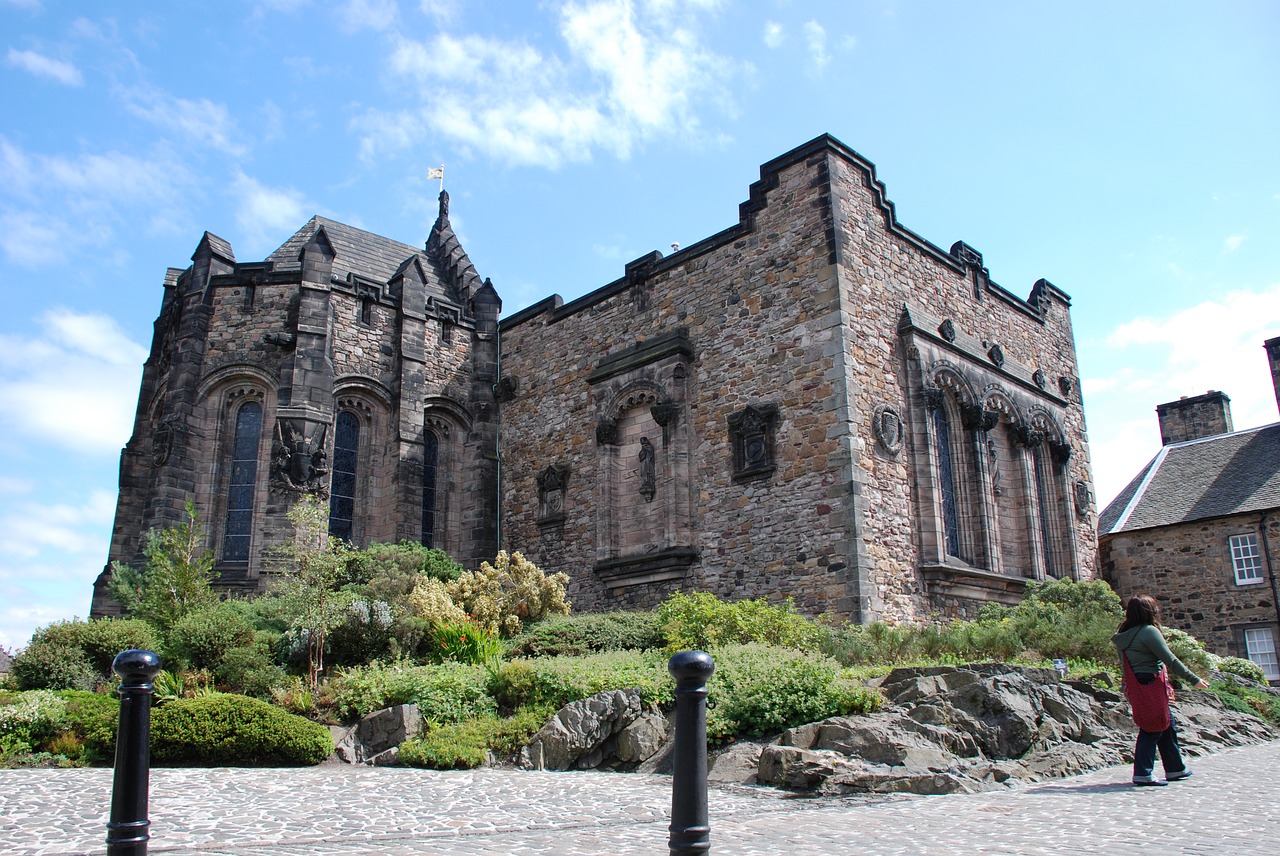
x=1181 y=774
x=1148 y=782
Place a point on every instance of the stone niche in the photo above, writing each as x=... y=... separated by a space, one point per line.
x=644 y=491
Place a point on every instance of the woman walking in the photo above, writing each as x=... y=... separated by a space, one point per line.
x=1147 y=661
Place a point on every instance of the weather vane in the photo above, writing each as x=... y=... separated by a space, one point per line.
x=434 y=172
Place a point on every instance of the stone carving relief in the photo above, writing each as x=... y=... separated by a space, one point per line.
x=507 y=389
x=996 y=353
x=162 y=439
x=1081 y=491
x=751 y=431
x=1065 y=384
x=948 y=330
x=993 y=456
x=934 y=397
x=889 y=430
x=299 y=464
x=665 y=414
x=607 y=432
x=551 y=494
x=976 y=418
x=1039 y=378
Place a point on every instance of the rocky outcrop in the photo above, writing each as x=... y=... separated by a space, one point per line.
x=376 y=738
x=949 y=730
x=611 y=726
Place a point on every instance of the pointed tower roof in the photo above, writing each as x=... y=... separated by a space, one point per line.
x=446 y=254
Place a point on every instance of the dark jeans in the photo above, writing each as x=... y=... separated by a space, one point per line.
x=1144 y=752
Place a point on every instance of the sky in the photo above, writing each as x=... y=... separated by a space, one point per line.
x=1126 y=152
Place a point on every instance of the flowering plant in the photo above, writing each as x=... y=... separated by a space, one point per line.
x=465 y=641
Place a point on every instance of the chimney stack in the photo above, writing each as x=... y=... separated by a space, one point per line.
x=1194 y=418
x=1273 y=358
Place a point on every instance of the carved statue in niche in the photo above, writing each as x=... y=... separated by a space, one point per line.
x=888 y=429
x=648 y=470
x=299 y=464
x=993 y=454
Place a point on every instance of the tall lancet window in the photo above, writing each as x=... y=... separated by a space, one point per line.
x=430 y=462
x=946 y=479
x=238 y=531
x=342 y=491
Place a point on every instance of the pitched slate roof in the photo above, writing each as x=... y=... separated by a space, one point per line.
x=1211 y=477
x=362 y=253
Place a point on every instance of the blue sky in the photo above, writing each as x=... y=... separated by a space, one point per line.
x=1127 y=152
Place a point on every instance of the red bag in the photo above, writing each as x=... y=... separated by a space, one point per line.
x=1150 y=702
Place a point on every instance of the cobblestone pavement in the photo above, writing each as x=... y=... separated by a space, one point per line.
x=1227 y=807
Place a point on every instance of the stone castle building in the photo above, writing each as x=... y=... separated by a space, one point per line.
x=814 y=402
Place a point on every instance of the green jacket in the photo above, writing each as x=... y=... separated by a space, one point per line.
x=1146 y=649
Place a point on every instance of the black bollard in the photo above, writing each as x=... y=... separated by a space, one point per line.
x=128 y=829
x=690 y=825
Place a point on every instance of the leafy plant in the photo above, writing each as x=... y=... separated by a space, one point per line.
x=465 y=641
x=587 y=633
x=448 y=692
x=176 y=578
x=54 y=665
x=31 y=718
x=555 y=681
x=1246 y=669
x=700 y=620
x=202 y=637
x=512 y=590
x=467 y=744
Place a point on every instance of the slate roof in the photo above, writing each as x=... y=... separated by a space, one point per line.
x=360 y=252
x=1210 y=477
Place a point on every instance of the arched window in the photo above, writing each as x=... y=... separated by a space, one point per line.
x=244 y=476
x=342 y=490
x=430 y=463
x=1045 y=504
x=947 y=480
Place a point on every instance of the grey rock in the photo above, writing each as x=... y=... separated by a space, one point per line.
x=640 y=740
x=376 y=733
x=582 y=733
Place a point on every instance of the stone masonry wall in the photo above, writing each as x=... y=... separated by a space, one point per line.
x=758 y=312
x=1187 y=568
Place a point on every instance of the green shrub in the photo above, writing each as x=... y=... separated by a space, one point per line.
x=759 y=689
x=390 y=571
x=1248 y=700
x=1188 y=649
x=588 y=633
x=103 y=638
x=1246 y=669
x=701 y=621
x=362 y=634
x=93 y=719
x=53 y=665
x=201 y=638
x=555 y=681
x=249 y=670
x=449 y=692
x=466 y=744
x=232 y=730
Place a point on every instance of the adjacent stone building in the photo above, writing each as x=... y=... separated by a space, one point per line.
x=814 y=402
x=1198 y=527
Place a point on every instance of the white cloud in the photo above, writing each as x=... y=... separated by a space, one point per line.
x=1233 y=242
x=773 y=36
x=368 y=14
x=75 y=385
x=1215 y=345
x=42 y=66
x=441 y=11
x=815 y=37
x=624 y=76
x=202 y=120
x=57 y=204
x=263 y=213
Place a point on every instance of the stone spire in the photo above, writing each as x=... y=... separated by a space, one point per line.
x=446 y=253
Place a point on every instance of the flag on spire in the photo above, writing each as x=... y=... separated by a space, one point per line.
x=433 y=172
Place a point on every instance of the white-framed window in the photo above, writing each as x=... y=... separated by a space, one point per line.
x=1245 y=559
x=1260 y=645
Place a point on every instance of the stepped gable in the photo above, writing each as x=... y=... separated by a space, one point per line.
x=449 y=259
x=1198 y=479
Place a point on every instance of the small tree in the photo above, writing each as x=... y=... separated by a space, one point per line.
x=176 y=579
x=315 y=565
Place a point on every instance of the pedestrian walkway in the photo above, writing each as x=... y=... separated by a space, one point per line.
x=1227 y=807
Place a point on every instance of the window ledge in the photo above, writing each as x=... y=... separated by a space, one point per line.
x=973 y=583
x=667 y=565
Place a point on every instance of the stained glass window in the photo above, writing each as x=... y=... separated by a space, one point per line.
x=342 y=488
x=240 y=490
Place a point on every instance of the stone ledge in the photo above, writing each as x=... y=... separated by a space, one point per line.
x=973 y=584
x=666 y=565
